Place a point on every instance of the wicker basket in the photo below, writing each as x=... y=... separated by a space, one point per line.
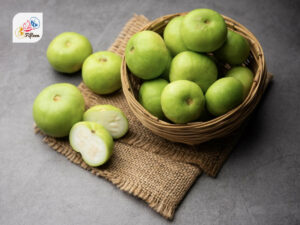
x=199 y=132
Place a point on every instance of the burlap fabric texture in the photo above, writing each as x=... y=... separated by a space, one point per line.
x=151 y=168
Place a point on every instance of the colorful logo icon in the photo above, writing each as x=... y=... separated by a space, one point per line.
x=27 y=27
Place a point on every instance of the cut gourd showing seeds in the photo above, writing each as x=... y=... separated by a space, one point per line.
x=111 y=117
x=93 y=141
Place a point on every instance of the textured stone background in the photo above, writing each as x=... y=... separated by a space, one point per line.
x=259 y=184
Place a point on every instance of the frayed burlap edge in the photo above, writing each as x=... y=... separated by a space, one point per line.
x=161 y=206
x=61 y=145
x=166 y=210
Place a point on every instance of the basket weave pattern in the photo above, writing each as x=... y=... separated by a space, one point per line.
x=199 y=132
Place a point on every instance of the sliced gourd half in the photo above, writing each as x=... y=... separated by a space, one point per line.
x=110 y=117
x=93 y=141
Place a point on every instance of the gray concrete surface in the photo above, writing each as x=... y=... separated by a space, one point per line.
x=259 y=184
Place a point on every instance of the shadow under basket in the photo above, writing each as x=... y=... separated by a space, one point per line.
x=198 y=132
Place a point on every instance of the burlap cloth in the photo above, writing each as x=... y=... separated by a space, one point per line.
x=158 y=171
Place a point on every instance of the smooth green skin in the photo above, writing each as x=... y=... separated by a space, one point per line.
x=244 y=75
x=94 y=114
x=166 y=73
x=224 y=95
x=146 y=55
x=101 y=72
x=150 y=95
x=102 y=133
x=182 y=101
x=57 y=108
x=235 y=50
x=194 y=67
x=67 y=52
x=172 y=36
x=203 y=30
